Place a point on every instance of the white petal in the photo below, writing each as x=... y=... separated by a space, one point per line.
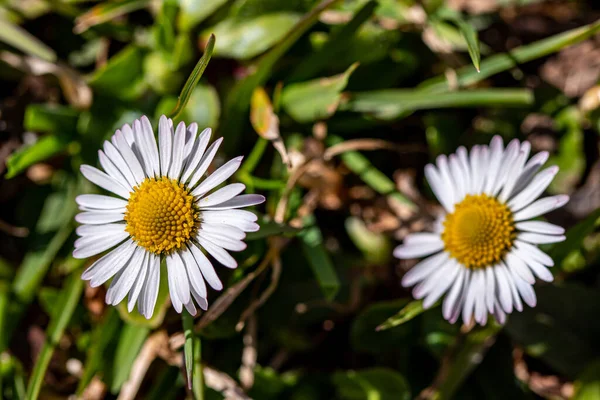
x=178 y=152
x=471 y=292
x=98 y=217
x=530 y=169
x=125 y=278
x=139 y=283
x=418 y=250
x=540 y=271
x=446 y=177
x=100 y=230
x=206 y=268
x=190 y=307
x=164 y=144
x=495 y=153
x=180 y=277
x=421 y=238
x=193 y=272
x=244 y=200
x=205 y=162
x=101 y=179
x=151 y=140
x=458 y=176
x=517 y=303
x=503 y=289
x=541 y=207
x=130 y=158
x=540 y=227
x=119 y=163
x=149 y=294
x=424 y=268
x=515 y=171
x=443 y=284
x=229 y=217
x=217 y=252
x=100 y=202
x=105 y=267
x=508 y=159
x=196 y=154
x=112 y=171
x=200 y=300
x=431 y=281
x=218 y=177
x=534 y=190
x=490 y=289
x=441 y=189
x=528 y=250
x=538 y=238
x=229 y=231
x=190 y=141
x=221 y=195
x=475 y=170
x=450 y=302
x=518 y=266
x=223 y=241
x=525 y=290
x=499 y=314
x=145 y=150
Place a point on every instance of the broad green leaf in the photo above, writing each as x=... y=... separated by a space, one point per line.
x=497 y=63
x=203 y=107
x=130 y=343
x=587 y=385
x=50 y=118
x=192 y=12
x=159 y=73
x=394 y=103
x=336 y=45
x=319 y=260
x=269 y=384
x=238 y=100
x=271 y=228
x=317 y=99
x=104 y=332
x=570 y=152
x=371 y=384
x=41 y=150
x=562 y=330
x=244 y=39
x=408 y=312
x=194 y=77
x=67 y=301
x=105 y=12
x=365 y=338
x=19 y=38
x=122 y=76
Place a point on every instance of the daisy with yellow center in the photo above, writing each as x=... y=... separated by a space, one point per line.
x=166 y=209
x=483 y=255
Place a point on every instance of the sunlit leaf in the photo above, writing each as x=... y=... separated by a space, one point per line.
x=370 y=384
x=19 y=38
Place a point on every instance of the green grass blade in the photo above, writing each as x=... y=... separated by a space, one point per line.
x=194 y=77
x=105 y=12
x=19 y=38
x=317 y=61
x=501 y=62
x=188 y=347
x=472 y=40
x=319 y=260
x=394 y=103
x=410 y=311
x=130 y=343
x=68 y=300
x=198 y=374
x=575 y=237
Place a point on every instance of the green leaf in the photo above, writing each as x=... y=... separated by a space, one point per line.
x=238 y=100
x=394 y=103
x=495 y=64
x=50 y=118
x=335 y=46
x=67 y=301
x=472 y=40
x=130 y=342
x=575 y=237
x=587 y=386
x=375 y=246
x=317 y=99
x=365 y=338
x=371 y=384
x=272 y=228
x=19 y=38
x=410 y=311
x=160 y=73
x=192 y=12
x=104 y=332
x=244 y=39
x=319 y=260
x=194 y=77
x=122 y=76
x=41 y=150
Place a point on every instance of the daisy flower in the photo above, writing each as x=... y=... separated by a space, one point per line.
x=482 y=254
x=165 y=210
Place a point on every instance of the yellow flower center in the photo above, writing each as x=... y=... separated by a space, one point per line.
x=161 y=215
x=479 y=232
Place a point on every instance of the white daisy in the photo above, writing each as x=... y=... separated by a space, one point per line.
x=164 y=211
x=483 y=253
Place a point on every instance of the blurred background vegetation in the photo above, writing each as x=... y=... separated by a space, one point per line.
x=337 y=106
